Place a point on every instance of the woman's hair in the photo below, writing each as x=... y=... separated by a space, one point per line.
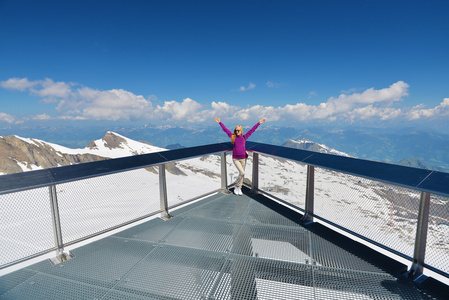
x=235 y=135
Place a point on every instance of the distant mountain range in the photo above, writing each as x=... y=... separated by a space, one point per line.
x=305 y=144
x=417 y=163
x=410 y=147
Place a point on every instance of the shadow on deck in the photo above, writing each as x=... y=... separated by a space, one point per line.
x=222 y=247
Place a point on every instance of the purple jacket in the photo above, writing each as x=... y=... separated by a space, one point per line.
x=239 y=150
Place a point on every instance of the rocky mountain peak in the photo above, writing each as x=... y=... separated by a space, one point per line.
x=19 y=154
x=23 y=154
x=110 y=140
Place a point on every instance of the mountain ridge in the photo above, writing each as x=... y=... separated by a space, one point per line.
x=19 y=154
x=305 y=144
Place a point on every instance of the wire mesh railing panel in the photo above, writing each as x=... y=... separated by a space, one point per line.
x=283 y=178
x=92 y=205
x=437 y=250
x=25 y=224
x=192 y=178
x=383 y=213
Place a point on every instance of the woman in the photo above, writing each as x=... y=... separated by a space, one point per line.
x=239 y=151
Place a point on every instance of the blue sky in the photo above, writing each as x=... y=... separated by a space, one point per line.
x=182 y=62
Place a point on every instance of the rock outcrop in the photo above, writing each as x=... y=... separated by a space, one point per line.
x=17 y=154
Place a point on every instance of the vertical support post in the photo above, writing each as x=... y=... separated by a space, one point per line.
x=421 y=237
x=255 y=180
x=163 y=193
x=224 y=175
x=60 y=255
x=310 y=191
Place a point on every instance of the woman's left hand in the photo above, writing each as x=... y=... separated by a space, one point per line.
x=262 y=120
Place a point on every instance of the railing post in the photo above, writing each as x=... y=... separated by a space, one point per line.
x=255 y=180
x=224 y=175
x=421 y=237
x=60 y=255
x=310 y=191
x=163 y=193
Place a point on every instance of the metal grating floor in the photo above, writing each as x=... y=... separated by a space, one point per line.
x=223 y=247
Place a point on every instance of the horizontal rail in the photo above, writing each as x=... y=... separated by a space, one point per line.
x=42 y=178
x=424 y=180
x=419 y=179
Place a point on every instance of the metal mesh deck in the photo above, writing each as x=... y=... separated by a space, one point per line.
x=223 y=247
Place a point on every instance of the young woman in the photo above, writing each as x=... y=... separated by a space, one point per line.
x=239 y=150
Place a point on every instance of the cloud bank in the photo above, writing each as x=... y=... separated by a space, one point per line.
x=72 y=101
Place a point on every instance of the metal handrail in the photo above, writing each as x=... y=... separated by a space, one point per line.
x=419 y=179
x=42 y=178
x=425 y=181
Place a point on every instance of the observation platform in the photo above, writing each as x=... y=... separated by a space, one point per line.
x=222 y=247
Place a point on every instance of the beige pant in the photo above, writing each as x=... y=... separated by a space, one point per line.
x=240 y=164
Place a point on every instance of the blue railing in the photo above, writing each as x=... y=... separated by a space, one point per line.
x=409 y=195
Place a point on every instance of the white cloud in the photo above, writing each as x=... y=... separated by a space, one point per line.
x=251 y=86
x=72 y=118
x=74 y=102
x=109 y=105
x=257 y=112
x=49 y=88
x=4 y=117
x=345 y=103
x=418 y=112
x=175 y=111
x=41 y=117
x=368 y=104
x=297 y=112
x=42 y=88
x=20 y=84
x=370 y=111
x=219 y=109
x=222 y=108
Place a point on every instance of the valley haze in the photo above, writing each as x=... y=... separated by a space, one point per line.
x=408 y=146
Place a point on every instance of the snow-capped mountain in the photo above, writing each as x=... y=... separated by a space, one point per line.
x=19 y=154
x=306 y=144
x=114 y=145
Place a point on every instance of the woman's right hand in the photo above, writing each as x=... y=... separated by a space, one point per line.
x=217 y=120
